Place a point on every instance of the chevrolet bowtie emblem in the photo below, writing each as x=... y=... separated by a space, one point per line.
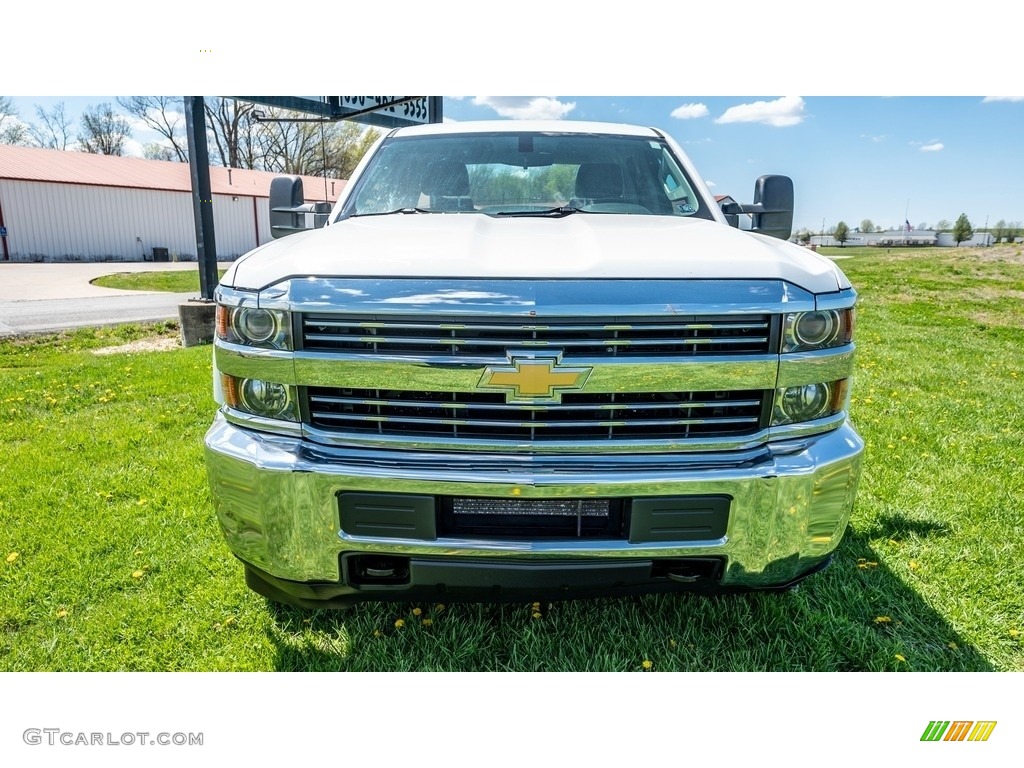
x=534 y=378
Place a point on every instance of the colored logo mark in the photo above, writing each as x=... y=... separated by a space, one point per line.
x=958 y=730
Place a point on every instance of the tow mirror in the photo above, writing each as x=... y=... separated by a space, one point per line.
x=772 y=209
x=289 y=212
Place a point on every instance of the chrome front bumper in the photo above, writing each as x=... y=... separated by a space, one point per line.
x=277 y=502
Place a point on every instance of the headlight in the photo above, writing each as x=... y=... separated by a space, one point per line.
x=818 y=329
x=808 y=402
x=267 y=328
x=268 y=399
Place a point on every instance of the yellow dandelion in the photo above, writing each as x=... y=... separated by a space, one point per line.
x=536 y=615
x=647 y=664
x=399 y=623
x=1014 y=633
x=377 y=633
x=417 y=611
x=61 y=613
x=13 y=556
x=914 y=565
x=229 y=621
x=953 y=645
x=900 y=658
x=882 y=619
x=140 y=502
x=138 y=574
x=427 y=622
x=439 y=607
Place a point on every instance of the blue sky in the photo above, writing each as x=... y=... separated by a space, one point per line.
x=850 y=157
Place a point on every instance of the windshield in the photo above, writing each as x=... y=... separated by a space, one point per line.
x=524 y=173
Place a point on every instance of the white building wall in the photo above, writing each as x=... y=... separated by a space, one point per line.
x=70 y=222
x=980 y=238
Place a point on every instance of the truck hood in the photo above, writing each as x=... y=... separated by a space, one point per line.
x=580 y=246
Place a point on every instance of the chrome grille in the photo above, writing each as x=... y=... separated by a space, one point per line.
x=632 y=416
x=575 y=337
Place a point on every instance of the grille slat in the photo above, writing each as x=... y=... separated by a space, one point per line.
x=580 y=416
x=696 y=335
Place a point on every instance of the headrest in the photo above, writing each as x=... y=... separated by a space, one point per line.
x=599 y=180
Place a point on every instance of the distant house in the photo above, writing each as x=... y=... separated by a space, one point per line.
x=904 y=238
x=75 y=206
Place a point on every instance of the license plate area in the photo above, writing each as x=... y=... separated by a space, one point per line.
x=531 y=518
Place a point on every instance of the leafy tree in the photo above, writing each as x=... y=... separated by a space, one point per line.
x=942 y=226
x=12 y=130
x=923 y=225
x=54 y=128
x=804 y=236
x=103 y=131
x=166 y=116
x=999 y=230
x=867 y=225
x=841 y=233
x=154 y=150
x=962 y=230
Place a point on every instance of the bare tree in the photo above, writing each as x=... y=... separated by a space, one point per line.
x=103 y=131
x=12 y=130
x=312 y=148
x=54 y=130
x=166 y=116
x=228 y=124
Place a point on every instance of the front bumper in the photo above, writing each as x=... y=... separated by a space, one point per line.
x=277 y=499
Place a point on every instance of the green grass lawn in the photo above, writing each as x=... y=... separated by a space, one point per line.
x=173 y=281
x=111 y=558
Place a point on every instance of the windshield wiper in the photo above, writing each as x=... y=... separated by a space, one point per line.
x=397 y=210
x=562 y=210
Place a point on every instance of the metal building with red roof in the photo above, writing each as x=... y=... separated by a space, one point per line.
x=74 y=206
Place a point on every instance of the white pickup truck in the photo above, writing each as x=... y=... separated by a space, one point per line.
x=532 y=360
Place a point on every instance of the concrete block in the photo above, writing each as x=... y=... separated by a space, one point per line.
x=197 y=317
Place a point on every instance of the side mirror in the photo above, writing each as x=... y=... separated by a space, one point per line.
x=775 y=195
x=288 y=210
x=772 y=209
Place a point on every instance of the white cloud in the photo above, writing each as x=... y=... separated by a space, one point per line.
x=781 y=113
x=133 y=148
x=875 y=139
x=690 y=111
x=1002 y=98
x=934 y=147
x=527 y=107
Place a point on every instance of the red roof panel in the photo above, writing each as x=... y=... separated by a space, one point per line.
x=57 y=166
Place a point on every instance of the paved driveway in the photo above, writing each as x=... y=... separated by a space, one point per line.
x=48 y=297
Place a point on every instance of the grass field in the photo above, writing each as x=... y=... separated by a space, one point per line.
x=111 y=559
x=174 y=281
